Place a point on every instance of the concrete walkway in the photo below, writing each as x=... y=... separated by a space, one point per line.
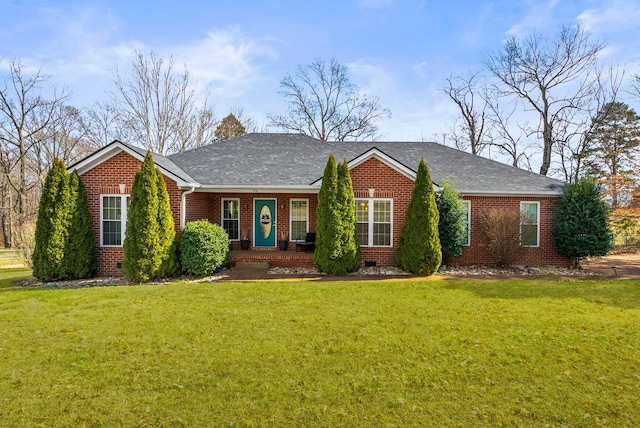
x=247 y=271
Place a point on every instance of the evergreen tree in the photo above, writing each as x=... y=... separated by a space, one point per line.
x=610 y=155
x=346 y=252
x=419 y=246
x=52 y=224
x=142 y=248
x=229 y=127
x=80 y=251
x=170 y=265
x=580 y=227
x=452 y=227
x=327 y=212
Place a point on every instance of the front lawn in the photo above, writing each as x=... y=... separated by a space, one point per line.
x=381 y=353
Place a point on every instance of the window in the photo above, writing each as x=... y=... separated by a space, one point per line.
x=374 y=219
x=231 y=218
x=113 y=219
x=299 y=219
x=467 y=206
x=529 y=224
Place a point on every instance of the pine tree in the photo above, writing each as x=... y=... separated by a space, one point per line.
x=142 y=249
x=580 y=227
x=167 y=232
x=419 y=249
x=80 y=251
x=229 y=127
x=52 y=224
x=452 y=227
x=327 y=212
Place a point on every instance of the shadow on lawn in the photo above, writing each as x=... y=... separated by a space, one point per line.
x=623 y=294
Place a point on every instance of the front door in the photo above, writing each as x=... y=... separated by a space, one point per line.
x=264 y=214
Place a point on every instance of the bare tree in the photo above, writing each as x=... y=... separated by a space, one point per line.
x=573 y=134
x=550 y=77
x=26 y=121
x=508 y=136
x=158 y=107
x=325 y=104
x=465 y=93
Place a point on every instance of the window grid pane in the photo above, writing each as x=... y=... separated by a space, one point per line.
x=113 y=220
x=381 y=234
x=467 y=206
x=529 y=224
x=230 y=218
x=298 y=220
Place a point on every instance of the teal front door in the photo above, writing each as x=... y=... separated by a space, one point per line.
x=264 y=214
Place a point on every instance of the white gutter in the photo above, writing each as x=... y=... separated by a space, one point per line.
x=183 y=207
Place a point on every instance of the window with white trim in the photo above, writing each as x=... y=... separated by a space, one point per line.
x=467 y=206
x=374 y=218
x=113 y=219
x=529 y=224
x=231 y=218
x=298 y=219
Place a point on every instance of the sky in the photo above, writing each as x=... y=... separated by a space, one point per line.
x=401 y=50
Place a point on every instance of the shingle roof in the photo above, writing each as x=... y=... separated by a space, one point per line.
x=294 y=160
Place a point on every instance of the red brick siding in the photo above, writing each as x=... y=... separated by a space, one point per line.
x=544 y=254
x=105 y=179
x=388 y=183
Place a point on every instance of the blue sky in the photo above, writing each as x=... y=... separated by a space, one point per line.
x=241 y=50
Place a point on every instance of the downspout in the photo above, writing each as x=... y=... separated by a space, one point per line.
x=183 y=207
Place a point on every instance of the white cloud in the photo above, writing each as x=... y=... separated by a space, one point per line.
x=539 y=17
x=611 y=14
x=226 y=60
x=371 y=78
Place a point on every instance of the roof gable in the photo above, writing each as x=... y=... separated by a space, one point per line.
x=166 y=167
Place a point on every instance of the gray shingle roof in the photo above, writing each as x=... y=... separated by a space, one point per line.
x=293 y=160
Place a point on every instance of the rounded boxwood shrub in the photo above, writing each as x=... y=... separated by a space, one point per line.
x=204 y=248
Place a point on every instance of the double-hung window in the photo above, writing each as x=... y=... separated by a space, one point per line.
x=299 y=219
x=231 y=218
x=113 y=219
x=374 y=222
x=529 y=224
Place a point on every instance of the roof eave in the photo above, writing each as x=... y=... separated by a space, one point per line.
x=310 y=189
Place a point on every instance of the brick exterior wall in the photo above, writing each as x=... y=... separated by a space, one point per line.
x=544 y=254
x=105 y=179
x=371 y=174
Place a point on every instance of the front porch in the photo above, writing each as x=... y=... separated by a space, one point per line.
x=273 y=257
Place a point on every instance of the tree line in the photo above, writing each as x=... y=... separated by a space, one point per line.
x=538 y=100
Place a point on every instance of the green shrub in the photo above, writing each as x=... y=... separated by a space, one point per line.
x=80 y=251
x=452 y=227
x=52 y=224
x=580 y=227
x=142 y=248
x=204 y=248
x=419 y=245
x=326 y=214
x=168 y=246
x=348 y=251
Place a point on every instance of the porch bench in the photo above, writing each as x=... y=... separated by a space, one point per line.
x=309 y=242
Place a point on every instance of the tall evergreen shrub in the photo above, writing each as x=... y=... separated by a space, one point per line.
x=452 y=227
x=80 y=251
x=419 y=249
x=169 y=265
x=327 y=212
x=142 y=248
x=580 y=227
x=346 y=252
x=52 y=224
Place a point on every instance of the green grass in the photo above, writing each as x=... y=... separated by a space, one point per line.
x=379 y=353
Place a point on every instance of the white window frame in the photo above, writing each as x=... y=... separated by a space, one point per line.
x=371 y=201
x=123 y=219
x=291 y=201
x=468 y=204
x=222 y=219
x=537 y=204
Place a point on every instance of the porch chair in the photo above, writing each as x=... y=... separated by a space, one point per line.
x=309 y=242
